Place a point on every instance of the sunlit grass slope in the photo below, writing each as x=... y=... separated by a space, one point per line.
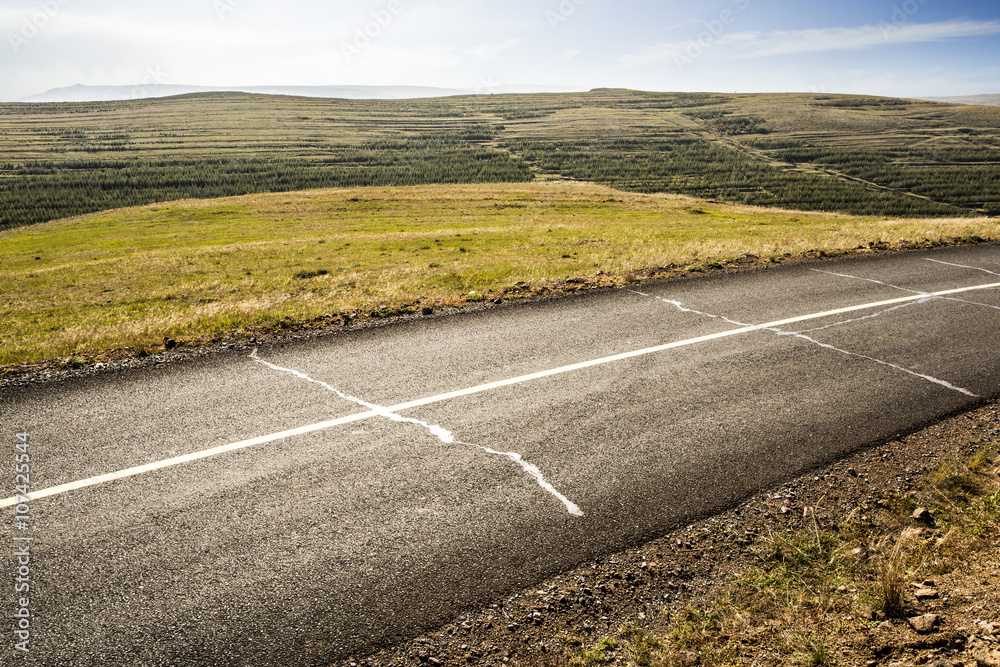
x=130 y=277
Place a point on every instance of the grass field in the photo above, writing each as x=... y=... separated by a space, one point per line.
x=128 y=278
x=860 y=155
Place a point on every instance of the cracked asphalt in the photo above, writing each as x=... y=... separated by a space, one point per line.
x=334 y=542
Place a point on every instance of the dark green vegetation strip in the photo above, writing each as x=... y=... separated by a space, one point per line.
x=861 y=155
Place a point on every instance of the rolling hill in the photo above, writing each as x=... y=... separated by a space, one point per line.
x=849 y=154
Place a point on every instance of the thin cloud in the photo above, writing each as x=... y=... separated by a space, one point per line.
x=493 y=51
x=789 y=42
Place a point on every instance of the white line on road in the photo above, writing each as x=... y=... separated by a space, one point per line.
x=964 y=266
x=913 y=291
x=440 y=432
x=490 y=386
x=827 y=346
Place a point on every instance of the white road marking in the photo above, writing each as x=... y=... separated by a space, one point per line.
x=869 y=280
x=801 y=335
x=186 y=458
x=441 y=433
x=913 y=291
x=867 y=317
x=490 y=386
x=929 y=378
x=964 y=266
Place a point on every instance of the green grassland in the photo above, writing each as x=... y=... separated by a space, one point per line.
x=859 y=155
x=197 y=268
x=375 y=205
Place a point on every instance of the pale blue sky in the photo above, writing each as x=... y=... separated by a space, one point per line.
x=893 y=47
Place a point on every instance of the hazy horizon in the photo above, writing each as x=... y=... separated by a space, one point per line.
x=904 y=48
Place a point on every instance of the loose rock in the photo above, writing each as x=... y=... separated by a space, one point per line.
x=926 y=623
x=926 y=594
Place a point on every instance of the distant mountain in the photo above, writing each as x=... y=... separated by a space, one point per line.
x=81 y=93
x=991 y=100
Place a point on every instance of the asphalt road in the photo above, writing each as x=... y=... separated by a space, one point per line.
x=323 y=541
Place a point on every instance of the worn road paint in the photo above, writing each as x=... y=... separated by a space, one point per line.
x=441 y=433
x=801 y=335
x=490 y=386
x=867 y=317
x=964 y=266
x=913 y=291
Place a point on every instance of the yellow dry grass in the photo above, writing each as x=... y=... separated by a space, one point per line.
x=130 y=277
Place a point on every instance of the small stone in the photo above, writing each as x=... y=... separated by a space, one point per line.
x=427 y=310
x=923 y=515
x=433 y=661
x=784 y=509
x=988 y=658
x=925 y=624
x=926 y=594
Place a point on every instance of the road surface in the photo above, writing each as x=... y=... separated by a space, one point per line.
x=298 y=504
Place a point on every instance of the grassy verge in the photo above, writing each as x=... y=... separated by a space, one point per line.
x=846 y=591
x=195 y=269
